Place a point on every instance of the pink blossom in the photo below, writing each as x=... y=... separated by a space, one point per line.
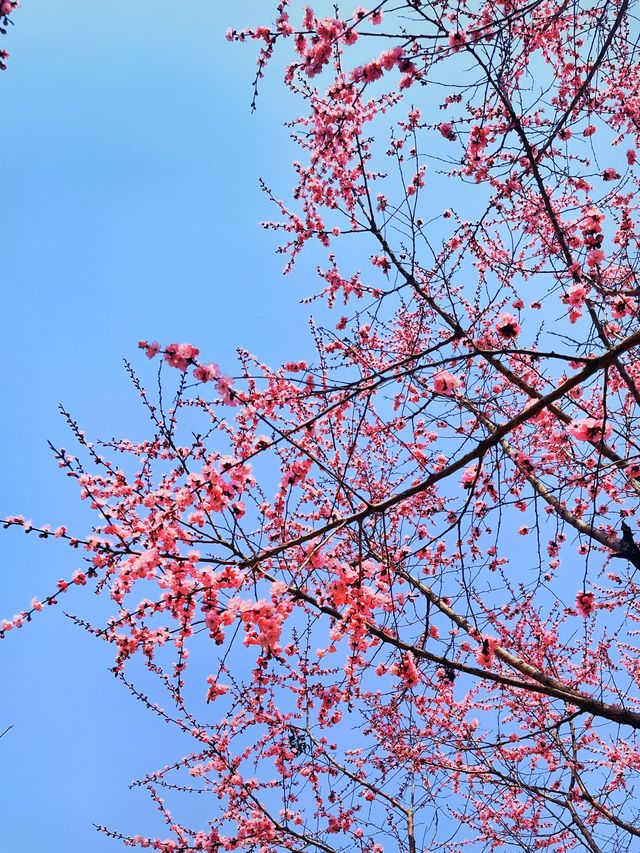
x=207 y=372
x=486 y=653
x=469 y=476
x=457 y=38
x=585 y=603
x=446 y=129
x=215 y=688
x=382 y=262
x=595 y=257
x=623 y=305
x=371 y=71
x=225 y=386
x=507 y=326
x=238 y=508
x=610 y=174
x=390 y=58
x=151 y=349
x=334 y=544
x=593 y=219
x=445 y=382
x=633 y=470
x=180 y=355
x=576 y=295
x=590 y=429
x=407 y=670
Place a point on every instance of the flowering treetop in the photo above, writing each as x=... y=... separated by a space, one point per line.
x=402 y=554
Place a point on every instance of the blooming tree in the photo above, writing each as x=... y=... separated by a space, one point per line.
x=410 y=565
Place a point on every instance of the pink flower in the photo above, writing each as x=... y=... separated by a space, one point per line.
x=446 y=129
x=445 y=382
x=486 y=653
x=207 y=372
x=469 y=476
x=576 y=295
x=457 y=38
x=592 y=222
x=590 y=429
x=589 y=130
x=633 y=470
x=595 y=257
x=631 y=156
x=390 y=58
x=225 y=387
x=215 y=689
x=585 y=603
x=382 y=262
x=623 y=305
x=371 y=71
x=507 y=326
x=407 y=670
x=180 y=355
x=238 y=508
x=151 y=349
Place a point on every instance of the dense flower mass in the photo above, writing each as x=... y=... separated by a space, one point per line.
x=374 y=554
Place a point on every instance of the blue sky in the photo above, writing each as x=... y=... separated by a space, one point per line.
x=130 y=210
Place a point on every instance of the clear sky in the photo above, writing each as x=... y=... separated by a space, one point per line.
x=130 y=166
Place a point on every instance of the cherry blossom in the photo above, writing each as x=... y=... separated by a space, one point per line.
x=590 y=429
x=352 y=578
x=585 y=603
x=445 y=382
x=507 y=326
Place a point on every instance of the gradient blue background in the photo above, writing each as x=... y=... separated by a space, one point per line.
x=130 y=203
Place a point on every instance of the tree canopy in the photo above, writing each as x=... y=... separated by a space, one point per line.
x=408 y=567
